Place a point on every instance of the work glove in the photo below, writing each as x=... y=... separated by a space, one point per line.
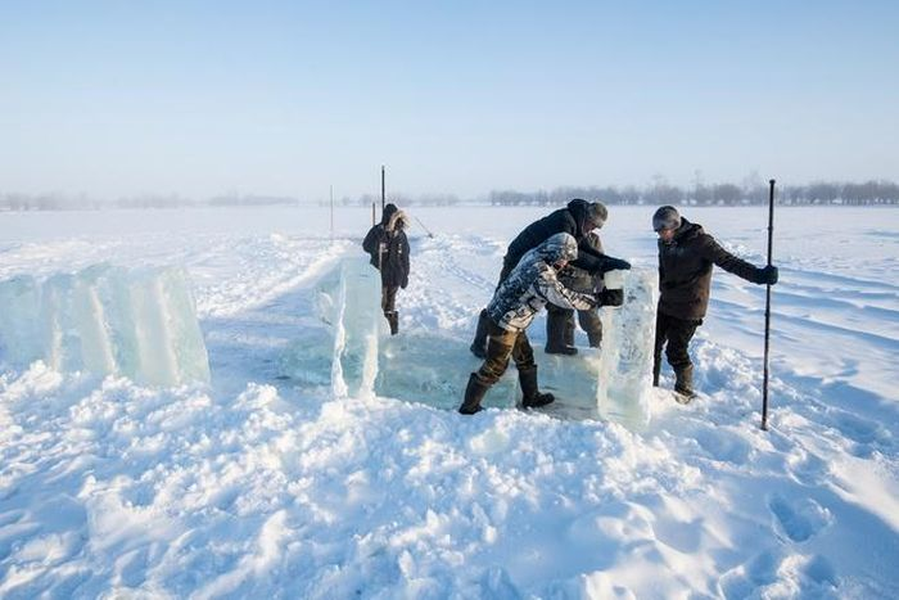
x=613 y=264
x=766 y=275
x=609 y=297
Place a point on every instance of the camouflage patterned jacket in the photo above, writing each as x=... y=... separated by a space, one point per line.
x=534 y=283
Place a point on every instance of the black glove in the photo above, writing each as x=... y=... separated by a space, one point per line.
x=612 y=264
x=766 y=275
x=610 y=297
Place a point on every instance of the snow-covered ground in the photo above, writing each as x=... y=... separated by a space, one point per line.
x=260 y=486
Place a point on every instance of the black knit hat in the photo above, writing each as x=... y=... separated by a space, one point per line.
x=666 y=217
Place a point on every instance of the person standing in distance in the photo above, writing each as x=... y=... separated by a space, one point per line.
x=388 y=247
x=686 y=257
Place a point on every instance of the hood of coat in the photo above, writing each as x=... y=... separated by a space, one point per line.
x=560 y=246
x=687 y=230
x=388 y=212
x=398 y=220
x=393 y=218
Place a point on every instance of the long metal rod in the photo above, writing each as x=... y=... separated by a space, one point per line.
x=768 y=307
x=383 y=196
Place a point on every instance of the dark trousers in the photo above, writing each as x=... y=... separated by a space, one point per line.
x=560 y=326
x=501 y=346
x=388 y=298
x=677 y=333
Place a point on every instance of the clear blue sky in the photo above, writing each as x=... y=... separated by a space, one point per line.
x=201 y=98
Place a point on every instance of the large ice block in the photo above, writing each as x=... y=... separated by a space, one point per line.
x=434 y=369
x=103 y=319
x=21 y=337
x=358 y=315
x=626 y=358
x=614 y=382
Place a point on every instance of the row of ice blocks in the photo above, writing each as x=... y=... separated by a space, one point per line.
x=427 y=367
x=108 y=320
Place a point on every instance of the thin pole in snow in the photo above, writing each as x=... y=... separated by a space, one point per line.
x=373 y=214
x=430 y=235
x=383 y=196
x=768 y=308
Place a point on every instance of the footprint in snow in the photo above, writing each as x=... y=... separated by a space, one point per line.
x=798 y=519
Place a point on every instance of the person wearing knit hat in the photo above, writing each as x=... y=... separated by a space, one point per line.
x=686 y=257
x=577 y=218
x=560 y=322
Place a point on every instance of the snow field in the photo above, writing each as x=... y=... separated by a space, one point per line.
x=258 y=485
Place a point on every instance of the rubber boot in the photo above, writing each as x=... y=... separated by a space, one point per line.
x=656 y=371
x=531 y=397
x=557 y=324
x=479 y=345
x=393 y=318
x=474 y=393
x=683 y=385
x=591 y=323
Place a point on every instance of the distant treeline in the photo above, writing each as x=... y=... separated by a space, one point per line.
x=660 y=192
x=722 y=194
x=870 y=193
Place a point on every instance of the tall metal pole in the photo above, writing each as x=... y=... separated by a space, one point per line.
x=383 y=197
x=768 y=307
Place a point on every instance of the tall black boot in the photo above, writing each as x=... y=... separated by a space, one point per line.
x=683 y=386
x=479 y=345
x=557 y=324
x=531 y=397
x=656 y=370
x=393 y=318
x=474 y=393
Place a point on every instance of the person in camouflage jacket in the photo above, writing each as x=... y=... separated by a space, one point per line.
x=530 y=286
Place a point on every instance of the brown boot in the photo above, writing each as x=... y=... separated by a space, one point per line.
x=683 y=386
x=393 y=318
x=474 y=393
x=531 y=396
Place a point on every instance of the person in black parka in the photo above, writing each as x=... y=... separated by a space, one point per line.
x=577 y=219
x=388 y=247
x=686 y=257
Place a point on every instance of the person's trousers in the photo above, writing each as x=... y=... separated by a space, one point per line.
x=501 y=346
x=674 y=336
x=388 y=298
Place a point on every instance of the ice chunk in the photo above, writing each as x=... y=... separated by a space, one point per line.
x=21 y=339
x=358 y=316
x=628 y=343
x=141 y=324
x=434 y=370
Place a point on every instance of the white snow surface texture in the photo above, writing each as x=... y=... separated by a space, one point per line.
x=257 y=486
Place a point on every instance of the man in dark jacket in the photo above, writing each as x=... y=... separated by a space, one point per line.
x=577 y=219
x=532 y=284
x=388 y=246
x=560 y=321
x=686 y=257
